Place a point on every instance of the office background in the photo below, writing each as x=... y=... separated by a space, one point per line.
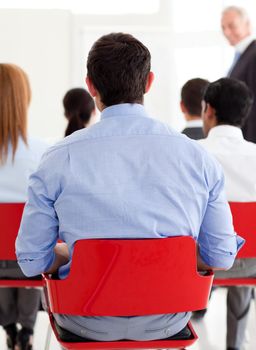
x=50 y=40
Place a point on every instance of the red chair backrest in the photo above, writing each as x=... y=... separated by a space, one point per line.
x=131 y=277
x=10 y=217
x=244 y=220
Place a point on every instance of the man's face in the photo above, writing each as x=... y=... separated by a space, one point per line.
x=234 y=27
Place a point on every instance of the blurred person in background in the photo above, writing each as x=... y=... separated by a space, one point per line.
x=190 y=104
x=19 y=157
x=79 y=109
x=237 y=29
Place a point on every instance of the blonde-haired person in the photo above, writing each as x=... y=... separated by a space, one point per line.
x=19 y=156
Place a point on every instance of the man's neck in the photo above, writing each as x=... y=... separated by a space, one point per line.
x=190 y=117
x=101 y=106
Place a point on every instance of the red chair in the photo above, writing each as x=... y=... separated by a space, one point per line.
x=244 y=215
x=130 y=277
x=10 y=217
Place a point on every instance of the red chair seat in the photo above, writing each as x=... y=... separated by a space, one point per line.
x=244 y=223
x=10 y=214
x=20 y=283
x=227 y=282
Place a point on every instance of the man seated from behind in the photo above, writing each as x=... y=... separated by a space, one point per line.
x=190 y=104
x=225 y=107
x=128 y=176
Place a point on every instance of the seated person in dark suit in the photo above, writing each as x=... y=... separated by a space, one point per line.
x=190 y=104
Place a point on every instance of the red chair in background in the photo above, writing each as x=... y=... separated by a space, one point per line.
x=130 y=277
x=10 y=217
x=244 y=220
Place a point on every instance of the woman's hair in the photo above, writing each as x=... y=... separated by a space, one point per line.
x=15 y=97
x=78 y=105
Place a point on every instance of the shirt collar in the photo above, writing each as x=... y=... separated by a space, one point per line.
x=225 y=131
x=124 y=109
x=197 y=123
x=243 y=44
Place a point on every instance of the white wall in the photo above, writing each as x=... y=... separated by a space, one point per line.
x=39 y=42
x=153 y=30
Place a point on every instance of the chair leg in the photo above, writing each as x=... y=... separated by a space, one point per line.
x=48 y=337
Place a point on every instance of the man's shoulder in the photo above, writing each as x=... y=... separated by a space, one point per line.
x=195 y=133
x=220 y=147
x=249 y=53
x=250 y=147
x=199 y=152
x=107 y=130
x=252 y=45
x=63 y=144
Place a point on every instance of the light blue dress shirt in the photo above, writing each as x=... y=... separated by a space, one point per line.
x=126 y=176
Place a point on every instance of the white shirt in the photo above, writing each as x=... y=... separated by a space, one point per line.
x=238 y=160
x=243 y=44
x=14 y=174
x=195 y=123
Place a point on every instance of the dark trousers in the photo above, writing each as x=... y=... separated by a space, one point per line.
x=238 y=301
x=17 y=305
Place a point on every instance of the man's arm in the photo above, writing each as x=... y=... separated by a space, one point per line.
x=39 y=229
x=217 y=242
x=201 y=266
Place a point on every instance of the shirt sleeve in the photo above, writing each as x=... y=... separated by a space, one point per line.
x=38 y=233
x=218 y=243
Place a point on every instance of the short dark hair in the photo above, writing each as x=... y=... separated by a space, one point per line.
x=118 y=66
x=192 y=94
x=231 y=99
x=78 y=105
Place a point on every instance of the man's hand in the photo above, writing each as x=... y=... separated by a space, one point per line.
x=61 y=257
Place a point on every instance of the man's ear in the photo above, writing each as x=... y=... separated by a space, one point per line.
x=183 y=108
x=91 y=87
x=209 y=114
x=209 y=111
x=149 y=82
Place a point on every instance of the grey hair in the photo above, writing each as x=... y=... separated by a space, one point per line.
x=239 y=10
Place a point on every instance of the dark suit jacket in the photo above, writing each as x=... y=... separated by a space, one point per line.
x=245 y=70
x=194 y=133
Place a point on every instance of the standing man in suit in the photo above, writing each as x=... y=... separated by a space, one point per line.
x=190 y=104
x=237 y=29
